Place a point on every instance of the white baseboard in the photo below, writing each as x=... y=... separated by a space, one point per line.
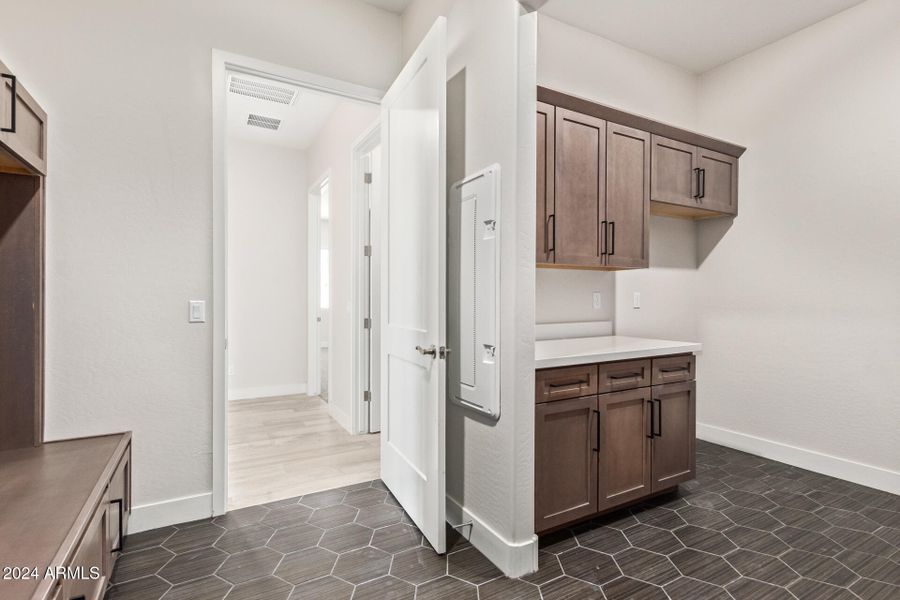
x=342 y=417
x=268 y=391
x=863 y=474
x=514 y=559
x=170 y=512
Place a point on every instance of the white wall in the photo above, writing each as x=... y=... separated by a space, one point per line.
x=127 y=88
x=332 y=152
x=490 y=467
x=798 y=302
x=583 y=64
x=267 y=283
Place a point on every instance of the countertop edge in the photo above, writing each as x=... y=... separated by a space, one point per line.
x=613 y=356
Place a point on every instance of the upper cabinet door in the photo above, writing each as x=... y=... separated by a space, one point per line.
x=674 y=177
x=546 y=141
x=627 y=240
x=580 y=184
x=23 y=135
x=718 y=181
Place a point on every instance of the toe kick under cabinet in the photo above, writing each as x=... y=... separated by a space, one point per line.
x=610 y=434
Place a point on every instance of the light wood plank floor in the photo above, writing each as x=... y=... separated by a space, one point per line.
x=289 y=445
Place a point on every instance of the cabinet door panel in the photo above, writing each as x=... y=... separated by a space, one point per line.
x=627 y=197
x=546 y=141
x=624 y=465
x=29 y=140
x=673 y=449
x=673 y=179
x=579 y=201
x=565 y=434
x=718 y=190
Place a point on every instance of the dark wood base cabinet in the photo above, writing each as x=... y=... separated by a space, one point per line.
x=595 y=452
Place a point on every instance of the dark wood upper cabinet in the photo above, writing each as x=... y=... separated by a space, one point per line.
x=580 y=187
x=674 y=438
x=674 y=179
x=627 y=243
x=546 y=140
x=565 y=438
x=718 y=181
x=625 y=470
x=23 y=128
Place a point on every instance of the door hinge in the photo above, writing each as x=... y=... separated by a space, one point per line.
x=367 y=250
x=367 y=178
x=367 y=396
x=367 y=323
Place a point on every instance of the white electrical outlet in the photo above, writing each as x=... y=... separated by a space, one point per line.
x=636 y=303
x=197 y=311
x=598 y=300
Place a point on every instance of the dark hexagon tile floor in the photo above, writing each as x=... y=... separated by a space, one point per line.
x=747 y=528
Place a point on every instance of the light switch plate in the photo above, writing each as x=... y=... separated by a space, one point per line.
x=637 y=300
x=197 y=311
x=598 y=300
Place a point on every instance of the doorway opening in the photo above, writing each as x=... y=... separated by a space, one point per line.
x=296 y=158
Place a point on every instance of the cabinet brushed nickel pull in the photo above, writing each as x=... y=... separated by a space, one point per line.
x=12 y=110
x=121 y=504
x=702 y=183
x=612 y=238
x=636 y=375
x=551 y=231
x=604 y=238
x=658 y=433
x=697 y=182
x=568 y=384
x=673 y=369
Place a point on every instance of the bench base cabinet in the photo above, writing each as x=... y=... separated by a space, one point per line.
x=595 y=452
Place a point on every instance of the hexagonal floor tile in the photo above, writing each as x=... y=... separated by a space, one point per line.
x=871 y=567
x=385 y=588
x=346 y=537
x=755 y=519
x=588 y=565
x=396 y=538
x=800 y=519
x=420 y=565
x=147 y=539
x=323 y=499
x=762 y=567
x=705 y=567
x=504 y=588
x=362 y=565
x=860 y=541
x=646 y=566
x=869 y=589
x=807 y=589
x=472 y=566
x=626 y=588
x=244 y=538
x=264 y=588
x=820 y=568
x=380 y=515
x=287 y=516
x=810 y=541
x=756 y=540
x=749 y=500
x=603 y=539
x=790 y=500
x=207 y=588
x=685 y=588
x=333 y=516
x=558 y=541
x=653 y=539
x=328 y=587
x=447 y=588
x=548 y=569
x=146 y=588
x=192 y=565
x=242 y=517
x=305 y=565
x=250 y=564
x=706 y=540
x=298 y=537
x=708 y=500
x=659 y=517
x=144 y=563
x=193 y=538
x=569 y=588
x=750 y=589
x=705 y=517
x=365 y=497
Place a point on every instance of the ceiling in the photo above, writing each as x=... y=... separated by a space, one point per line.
x=695 y=34
x=394 y=6
x=300 y=122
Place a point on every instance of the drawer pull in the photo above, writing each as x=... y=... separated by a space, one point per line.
x=121 y=504
x=674 y=369
x=571 y=384
x=635 y=375
x=12 y=110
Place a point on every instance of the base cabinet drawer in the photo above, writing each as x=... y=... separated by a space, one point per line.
x=89 y=569
x=565 y=437
x=672 y=369
x=565 y=382
x=624 y=375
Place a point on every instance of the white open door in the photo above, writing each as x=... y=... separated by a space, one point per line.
x=413 y=281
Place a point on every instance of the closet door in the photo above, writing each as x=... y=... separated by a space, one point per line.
x=674 y=175
x=546 y=140
x=627 y=242
x=580 y=184
x=718 y=181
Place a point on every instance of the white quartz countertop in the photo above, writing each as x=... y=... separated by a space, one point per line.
x=608 y=348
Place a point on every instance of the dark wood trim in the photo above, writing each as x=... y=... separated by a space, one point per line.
x=615 y=115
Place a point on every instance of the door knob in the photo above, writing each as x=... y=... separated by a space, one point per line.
x=429 y=351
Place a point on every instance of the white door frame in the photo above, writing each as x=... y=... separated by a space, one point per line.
x=363 y=341
x=313 y=283
x=223 y=63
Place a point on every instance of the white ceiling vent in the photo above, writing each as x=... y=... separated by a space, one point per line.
x=264 y=122
x=262 y=90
